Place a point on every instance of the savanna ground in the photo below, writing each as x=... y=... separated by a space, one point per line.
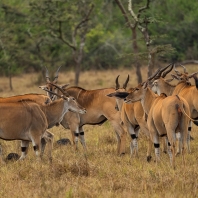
x=101 y=173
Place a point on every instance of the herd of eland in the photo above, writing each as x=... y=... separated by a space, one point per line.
x=160 y=110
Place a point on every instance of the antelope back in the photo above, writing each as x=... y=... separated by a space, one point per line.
x=20 y=119
x=38 y=98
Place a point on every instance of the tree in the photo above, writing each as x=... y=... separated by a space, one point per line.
x=67 y=21
x=179 y=25
x=133 y=27
x=12 y=23
x=140 y=20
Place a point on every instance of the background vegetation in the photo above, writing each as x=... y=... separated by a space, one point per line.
x=30 y=36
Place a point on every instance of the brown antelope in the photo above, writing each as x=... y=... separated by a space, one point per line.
x=183 y=88
x=39 y=99
x=166 y=116
x=53 y=113
x=133 y=118
x=22 y=121
x=99 y=109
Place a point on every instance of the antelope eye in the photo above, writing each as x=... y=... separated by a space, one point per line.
x=73 y=99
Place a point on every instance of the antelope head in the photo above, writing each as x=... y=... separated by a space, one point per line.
x=137 y=93
x=119 y=89
x=185 y=77
x=49 y=86
x=70 y=101
x=179 y=75
x=159 y=78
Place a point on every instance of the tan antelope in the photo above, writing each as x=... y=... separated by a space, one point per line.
x=183 y=88
x=99 y=109
x=22 y=121
x=133 y=115
x=27 y=113
x=166 y=116
x=39 y=99
x=133 y=118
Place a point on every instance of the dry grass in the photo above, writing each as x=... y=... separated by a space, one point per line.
x=101 y=173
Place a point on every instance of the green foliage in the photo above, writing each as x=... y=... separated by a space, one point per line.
x=180 y=24
x=29 y=33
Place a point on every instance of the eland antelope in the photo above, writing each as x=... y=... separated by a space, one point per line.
x=133 y=118
x=33 y=119
x=39 y=99
x=22 y=121
x=183 y=88
x=166 y=116
x=99 y=109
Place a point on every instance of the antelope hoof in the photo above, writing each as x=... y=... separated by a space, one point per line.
x=64 y=141
x=165 y=152
x=149 y=158
x=122 y=154
x=12 y=157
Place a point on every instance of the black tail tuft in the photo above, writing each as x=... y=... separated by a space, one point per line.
x=195 y=122
x=196 y=81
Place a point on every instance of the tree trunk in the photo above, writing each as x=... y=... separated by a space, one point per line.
x=77 y=73
x=136 y=50
x=138 y=72
x=78 y=57
x=151 y=63
x=10 y=81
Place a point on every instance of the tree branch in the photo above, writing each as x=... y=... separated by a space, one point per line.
x=83 y=21
x=124 y=13
x=132 y=12
x=61 y=36
x=143 y=8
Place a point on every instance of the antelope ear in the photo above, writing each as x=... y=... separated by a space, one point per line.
x=145 y=85
x=64 y=97
x=43 y=87
x=169 y=80
x=119 y=95
x=111 y=94
x=64 y=86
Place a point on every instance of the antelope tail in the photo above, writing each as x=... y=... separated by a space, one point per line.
x=181 y=108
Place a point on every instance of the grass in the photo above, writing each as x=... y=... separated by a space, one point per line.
x=100 y=173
